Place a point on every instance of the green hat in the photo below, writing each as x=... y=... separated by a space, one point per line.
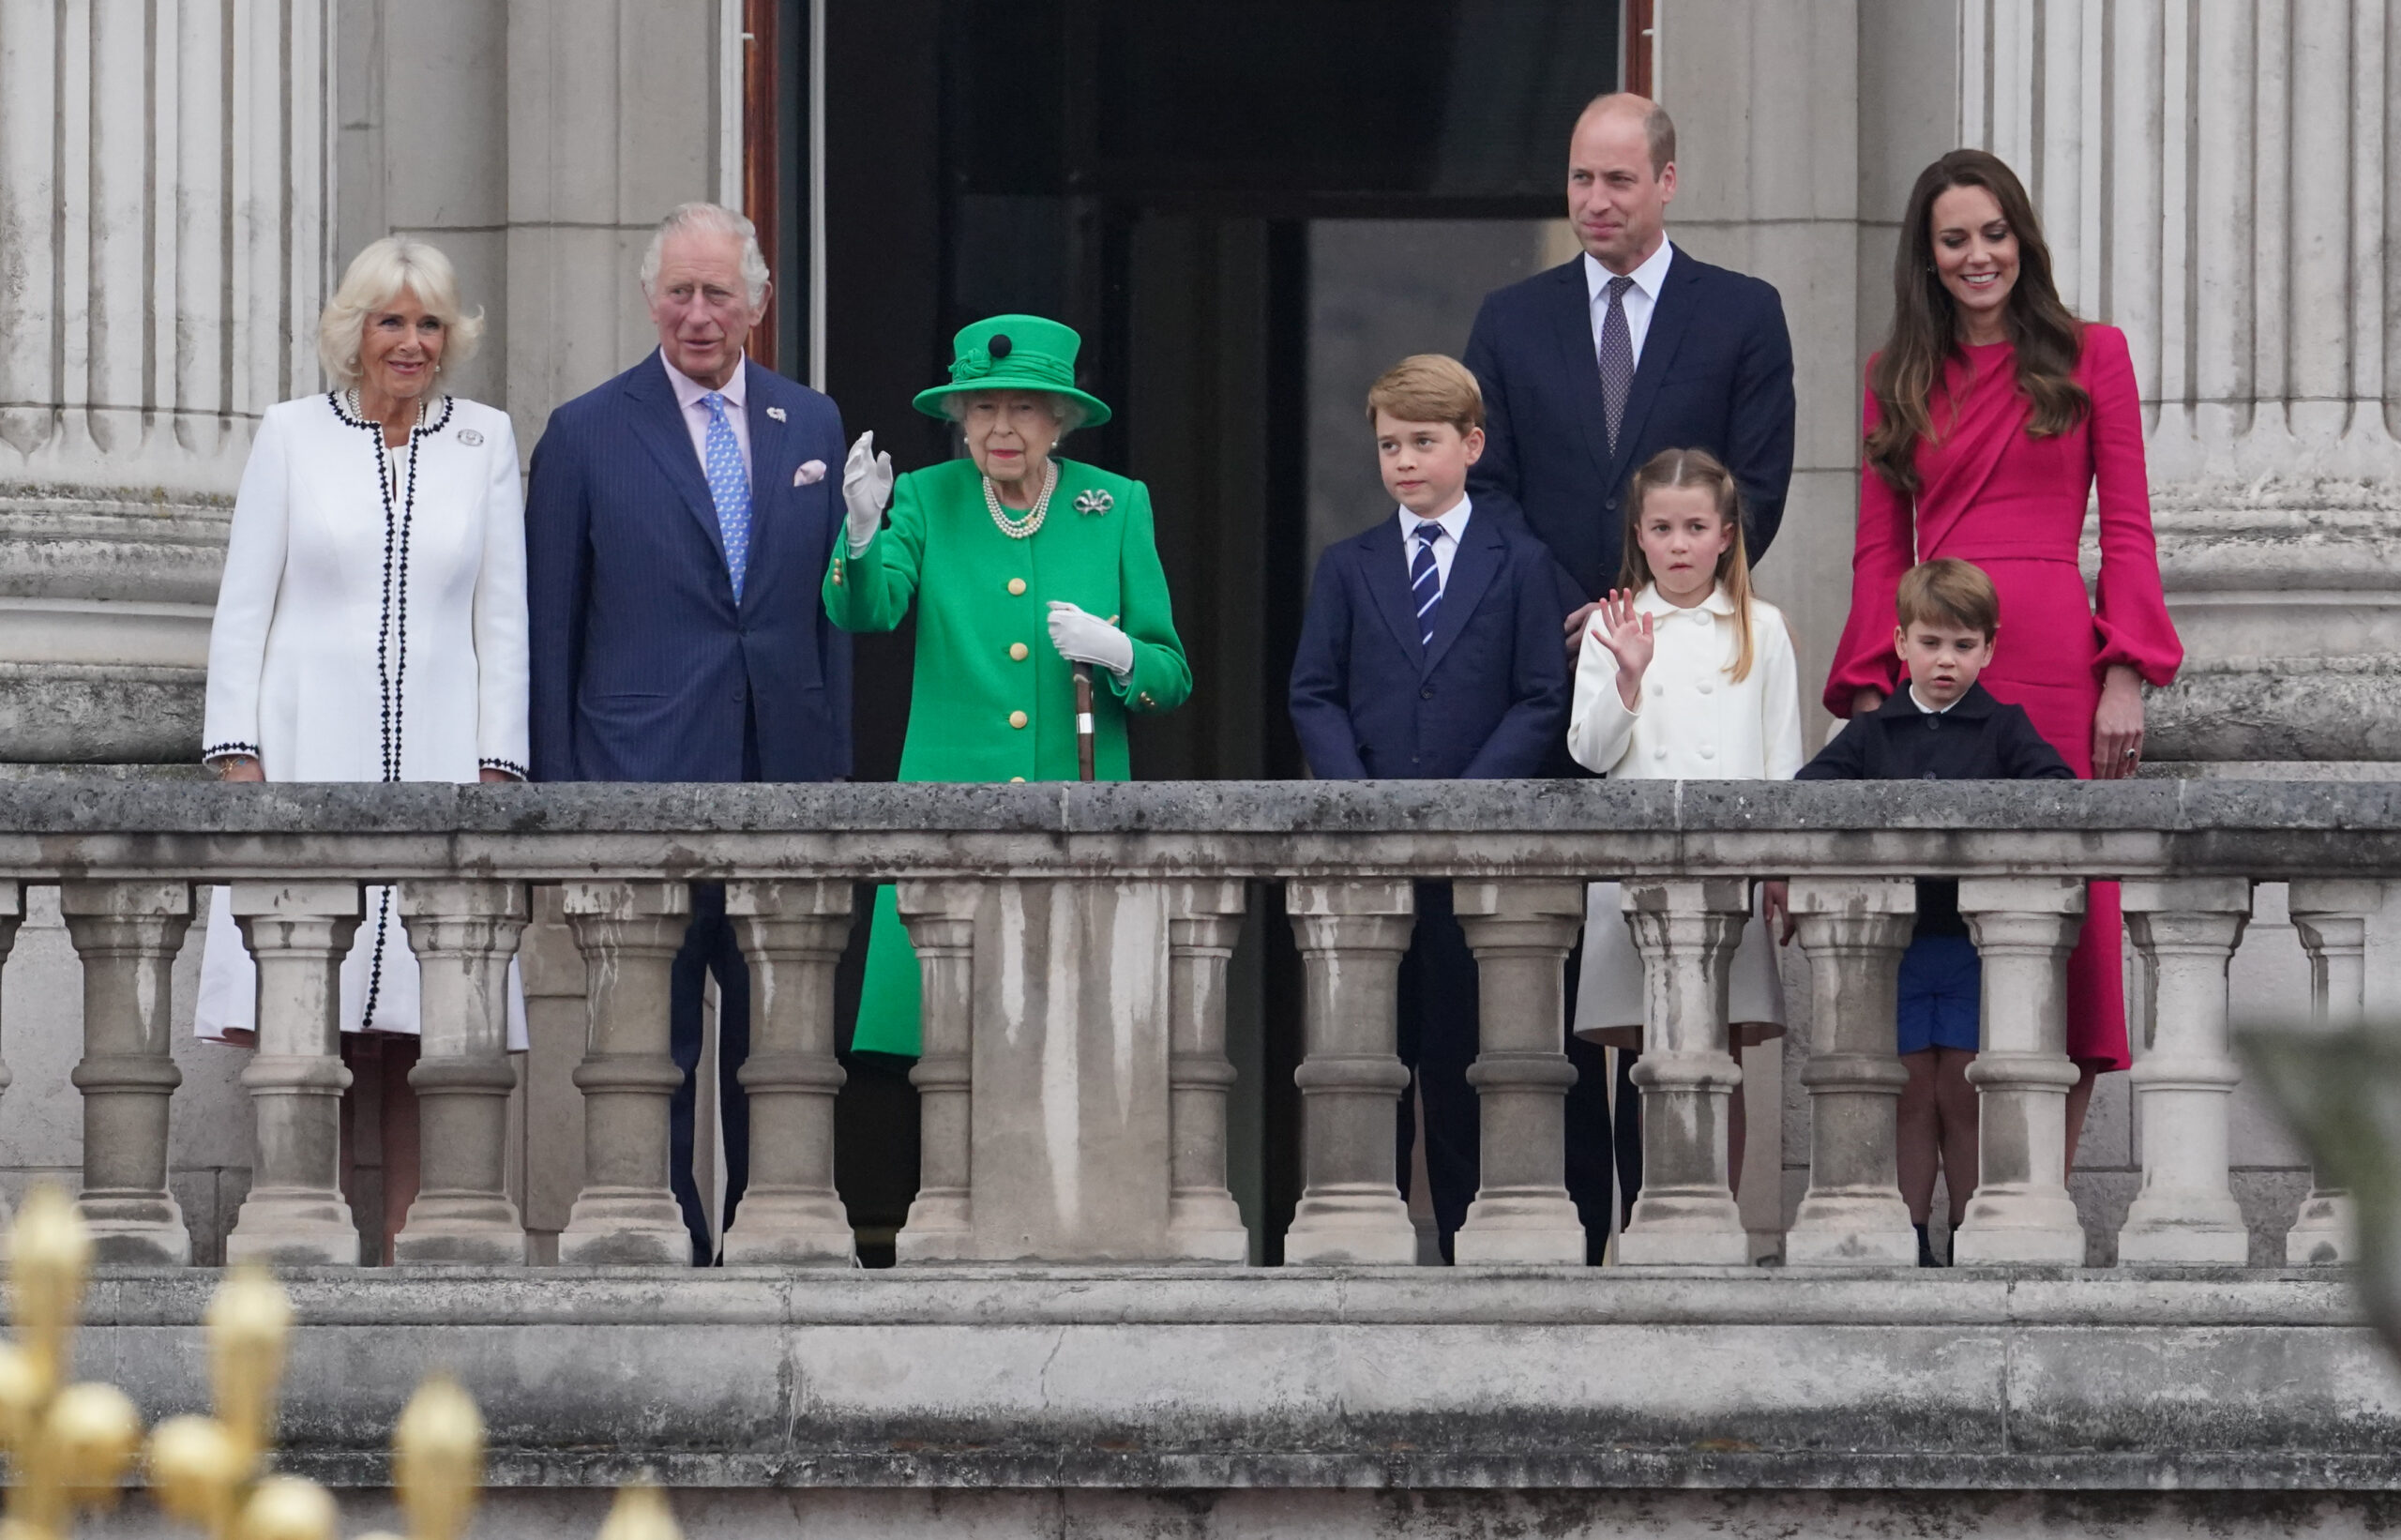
x=1015 y=353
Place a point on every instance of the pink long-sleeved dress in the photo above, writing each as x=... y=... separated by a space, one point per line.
x=2016 y=506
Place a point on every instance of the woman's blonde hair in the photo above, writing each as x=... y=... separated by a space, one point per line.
x=376 y=276
x=1701 y=469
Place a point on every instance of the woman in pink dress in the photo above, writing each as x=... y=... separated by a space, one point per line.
x=1993 y=415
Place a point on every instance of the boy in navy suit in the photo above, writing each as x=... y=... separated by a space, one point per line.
x=1432 y=649
x=1943 y=727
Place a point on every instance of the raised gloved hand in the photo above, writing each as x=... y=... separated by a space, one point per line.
x=867 y=487
x=1082 y=638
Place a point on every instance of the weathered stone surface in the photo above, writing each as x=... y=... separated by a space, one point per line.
x=1298 y=1378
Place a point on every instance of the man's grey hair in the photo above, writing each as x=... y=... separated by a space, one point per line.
x=708 y=219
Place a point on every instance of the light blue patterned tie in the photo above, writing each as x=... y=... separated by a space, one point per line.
x=730 y=489
x=1425 y=581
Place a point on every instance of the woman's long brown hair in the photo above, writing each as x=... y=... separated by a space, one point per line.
x=1695 y=468
x=1926 y=322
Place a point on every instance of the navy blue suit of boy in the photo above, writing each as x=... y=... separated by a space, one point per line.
x=677 y=527
x=1430 y=651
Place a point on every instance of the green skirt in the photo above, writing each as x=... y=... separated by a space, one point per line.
x=888 y=1000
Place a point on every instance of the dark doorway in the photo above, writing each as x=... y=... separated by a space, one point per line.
x=1247 y=208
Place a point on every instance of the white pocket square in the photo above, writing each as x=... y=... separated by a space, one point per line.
x=811 y=473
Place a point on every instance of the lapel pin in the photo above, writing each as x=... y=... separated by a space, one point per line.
x=469 y=437
x=1094 y=502
x=777 y=413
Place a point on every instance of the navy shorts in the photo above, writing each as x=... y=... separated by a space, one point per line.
x=1940 y=982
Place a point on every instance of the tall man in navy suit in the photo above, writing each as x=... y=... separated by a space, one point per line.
x=1428 y=652
x=1591 y=369
x=677 y=528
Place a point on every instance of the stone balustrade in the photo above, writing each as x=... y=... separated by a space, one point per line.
x=1074 y=944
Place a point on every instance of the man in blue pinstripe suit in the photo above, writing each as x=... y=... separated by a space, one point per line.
x=677 y=527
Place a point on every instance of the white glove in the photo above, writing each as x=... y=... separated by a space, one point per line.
x=1088 y=639
x=867 y=487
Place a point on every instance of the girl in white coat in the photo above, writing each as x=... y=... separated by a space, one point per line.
x=1683 y=675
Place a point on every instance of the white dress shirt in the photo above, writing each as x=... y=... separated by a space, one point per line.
x=1639 y=300
x=1919 y=701
x=1454 y=524
x=692 y=396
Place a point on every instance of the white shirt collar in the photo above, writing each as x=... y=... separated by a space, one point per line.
x=1454 y=520
x=689 y=391
x=1650 y=601
x=1647 y=278
x=1931 y=711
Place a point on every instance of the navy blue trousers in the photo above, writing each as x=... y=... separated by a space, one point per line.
x=710 y=949
x=1437 y=1028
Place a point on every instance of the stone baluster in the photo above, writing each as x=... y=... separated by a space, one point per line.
x=1352 y=935
x=127 y=934
x=463 y=935
x=1854 y=933
x=1688 y=930
x=297 y=933
x=793 y=935
x=941 y=918
x=1520 y=932
x=1204 y=920
x=628 y=933
x=2330 y=914
x=2024 y=928
x=2184 y=1073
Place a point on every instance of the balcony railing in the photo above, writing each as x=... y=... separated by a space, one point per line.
x=1074 y=944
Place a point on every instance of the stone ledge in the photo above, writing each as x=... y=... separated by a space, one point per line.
x=1377 y=1379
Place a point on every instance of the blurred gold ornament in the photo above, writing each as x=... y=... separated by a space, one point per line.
x=639 y=1512
x=438 y=1459
x=69 y=1445
x=212 y=1471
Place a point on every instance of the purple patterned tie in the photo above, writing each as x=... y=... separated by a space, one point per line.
x=1617 y=358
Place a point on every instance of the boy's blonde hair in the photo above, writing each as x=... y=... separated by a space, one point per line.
x=1695 y=468
x=1428 y=388
x=1949 y=590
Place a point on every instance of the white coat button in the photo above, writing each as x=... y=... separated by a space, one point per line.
x=1701 y=617
x=1659 y=753
x=1658 y=689
x=1706 y=687
x=1707 y=752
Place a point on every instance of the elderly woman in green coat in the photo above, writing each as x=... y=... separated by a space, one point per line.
x=1022 y=565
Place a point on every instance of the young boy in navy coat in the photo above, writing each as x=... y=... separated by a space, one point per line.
x=1432 y=651
x=1943 y=727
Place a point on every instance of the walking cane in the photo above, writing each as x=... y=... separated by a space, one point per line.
x=1083 y=721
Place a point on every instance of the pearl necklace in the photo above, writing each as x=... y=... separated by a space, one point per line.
x=1023 y=529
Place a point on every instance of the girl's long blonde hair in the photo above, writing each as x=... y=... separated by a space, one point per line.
x=1695 y=468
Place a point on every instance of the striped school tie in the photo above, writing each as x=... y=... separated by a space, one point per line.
x=1426 y=582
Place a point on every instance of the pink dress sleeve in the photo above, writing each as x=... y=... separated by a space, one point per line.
x=2130 y=607
x=1885 y=550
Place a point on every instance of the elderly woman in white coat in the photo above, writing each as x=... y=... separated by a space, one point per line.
x=370 y=626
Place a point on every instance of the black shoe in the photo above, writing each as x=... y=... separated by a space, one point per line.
x=1925 y=1248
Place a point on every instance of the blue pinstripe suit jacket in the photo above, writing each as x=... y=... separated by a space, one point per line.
x=644 y=666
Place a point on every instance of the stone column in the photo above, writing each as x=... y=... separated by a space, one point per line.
x=1351 y=936
x=1687 y=930
x=463 y=935
x=295 y=1216
x=1520 y=933
x=1204 y=920
x=941 y=918
x=2268 y=366
x=2331 y=916
x=127 y=935
x=1854 y=932
x=2024 y=928
x=793 y=935
x=628 y=933
x=2184 y=1072
x=163 y=179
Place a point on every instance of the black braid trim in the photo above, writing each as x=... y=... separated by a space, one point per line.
x=509 y=766
x=214 y=750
